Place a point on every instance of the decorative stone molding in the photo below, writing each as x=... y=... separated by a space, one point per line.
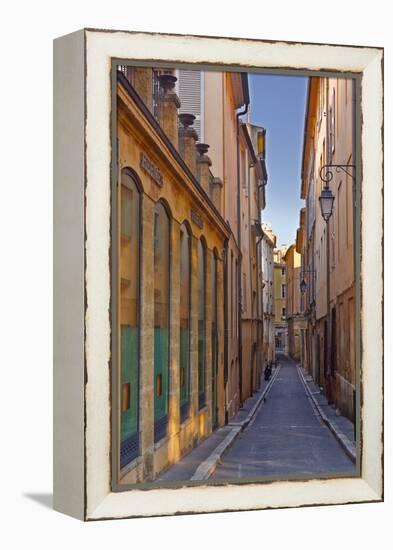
x=216 y=192
x=169 y=103
x=187 y=140
x=203 y=165
x=143 y=83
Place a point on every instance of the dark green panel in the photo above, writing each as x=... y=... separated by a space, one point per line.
x=214 y=374
x=129 y=374
x=161 y=367
x=184 y=364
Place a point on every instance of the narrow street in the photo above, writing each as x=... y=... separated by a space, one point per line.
x=286 y=438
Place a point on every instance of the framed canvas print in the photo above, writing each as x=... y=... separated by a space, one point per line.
x=218 y=274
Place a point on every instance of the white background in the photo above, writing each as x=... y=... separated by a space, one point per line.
x=27 y=31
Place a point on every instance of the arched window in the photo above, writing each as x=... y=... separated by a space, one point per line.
x=214 y=336
x=161 y=320
x=185 y=286
x=128 y=316
x=201 y=324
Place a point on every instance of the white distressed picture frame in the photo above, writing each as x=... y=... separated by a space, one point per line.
x=82 y=418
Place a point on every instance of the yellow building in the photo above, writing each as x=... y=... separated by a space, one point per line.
x=186 y=315
x=280 y=289
x=328 y=247
x=167 y=282
x=295 y=320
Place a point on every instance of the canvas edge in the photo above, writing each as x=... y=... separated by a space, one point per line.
x=68 y=272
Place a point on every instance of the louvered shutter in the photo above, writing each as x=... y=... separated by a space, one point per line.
x=190 y=94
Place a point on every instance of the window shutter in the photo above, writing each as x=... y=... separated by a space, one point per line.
x=190 y=94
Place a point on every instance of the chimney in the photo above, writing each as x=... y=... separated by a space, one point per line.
x=169 y=104
x=143 y=84
x=216 y=193
x=203 y=165
x=187 y=140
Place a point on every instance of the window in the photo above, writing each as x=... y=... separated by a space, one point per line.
x=161 y=321
x=283 y=271
x=244 y=170
x=190 y=89
x=282 y=291
x=128 y=316
x=185 y=286
x=283 y=313
x=332 y=122
x=214 y=336
x=237 y=278
x=244 y=293
x=232 y=291
x=201 y=274
x=340 y=211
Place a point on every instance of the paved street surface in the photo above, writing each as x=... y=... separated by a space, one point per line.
x=286 y=438
x=186 y=467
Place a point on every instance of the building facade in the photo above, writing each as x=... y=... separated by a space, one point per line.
x=186 y=286
x=280 y=293
x=294 y=314
x=328 y=247
x=268 y=246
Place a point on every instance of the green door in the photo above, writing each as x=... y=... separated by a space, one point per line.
x=128 y=314
x=161 y=321
x=214 y=337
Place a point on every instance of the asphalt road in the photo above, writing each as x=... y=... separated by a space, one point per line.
x=286 y=439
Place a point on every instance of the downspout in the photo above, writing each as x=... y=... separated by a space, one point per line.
x=259 y=297
x=328 y=343
x=226 y=329
x=239 y=264
x=251 y=250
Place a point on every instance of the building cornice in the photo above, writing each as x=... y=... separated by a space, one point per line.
x=171 y=153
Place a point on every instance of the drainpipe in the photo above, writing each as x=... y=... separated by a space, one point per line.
x=239 y=265
x=328 y=343
x=226 y=329
x=259 y=313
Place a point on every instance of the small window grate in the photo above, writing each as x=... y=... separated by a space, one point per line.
x=201 y=400
x=160 y=428
x=129 y=449
x=184 y=411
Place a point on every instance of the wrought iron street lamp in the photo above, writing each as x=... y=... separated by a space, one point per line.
x=326 y=201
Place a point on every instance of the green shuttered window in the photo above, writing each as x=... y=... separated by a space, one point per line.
x=201 y=324
x=214 y=337
x=128 y=315
x=161 y=320
x=185 y=286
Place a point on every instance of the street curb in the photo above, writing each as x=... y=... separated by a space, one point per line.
x=207 y=467
x=346 y=444
x=256 y=406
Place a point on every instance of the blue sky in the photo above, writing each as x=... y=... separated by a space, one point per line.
x=278 y=104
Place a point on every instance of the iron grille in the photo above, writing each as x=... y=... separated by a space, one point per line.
x=160 y=428
x=129 y=449
x=127 y=71
x=201 y=400
x=184 y=411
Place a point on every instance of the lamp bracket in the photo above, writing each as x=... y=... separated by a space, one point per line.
x=326 y=171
